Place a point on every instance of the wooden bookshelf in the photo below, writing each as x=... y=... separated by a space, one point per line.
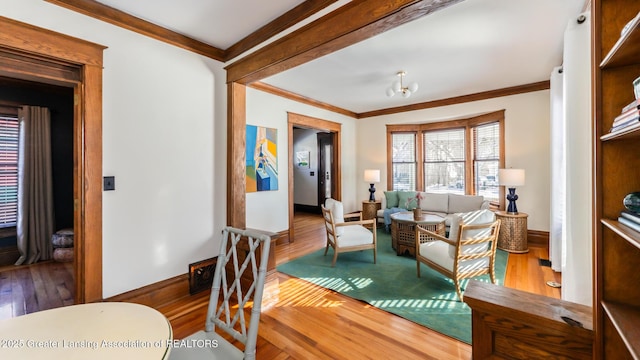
x=616 y=162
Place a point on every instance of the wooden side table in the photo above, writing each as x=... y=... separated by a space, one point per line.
x=403 y=231
x=513 y=232
x=370 y=209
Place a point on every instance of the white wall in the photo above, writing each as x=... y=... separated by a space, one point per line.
x=305 y=191
x=163 y=140
x=526 y=145
x=268 y=210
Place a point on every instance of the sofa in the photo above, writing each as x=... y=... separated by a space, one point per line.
x=443 y=204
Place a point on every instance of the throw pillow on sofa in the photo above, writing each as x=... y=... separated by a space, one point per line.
x=407 y=200
x=391 y=198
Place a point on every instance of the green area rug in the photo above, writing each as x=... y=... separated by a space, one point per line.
x=392 y=285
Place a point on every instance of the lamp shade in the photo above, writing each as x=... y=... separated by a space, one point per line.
x=511 y=177
x=371 y=176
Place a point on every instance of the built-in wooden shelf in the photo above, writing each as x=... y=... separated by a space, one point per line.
x=632 y=236
x=615 y=66
x=630 y=132
x=625 y=51
x=625 y=319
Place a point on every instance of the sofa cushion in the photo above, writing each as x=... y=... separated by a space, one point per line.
x=435 y=202
x=464 y=203
x=391 y=198
x=407 y=200
x=355 y=235
x=437 y=252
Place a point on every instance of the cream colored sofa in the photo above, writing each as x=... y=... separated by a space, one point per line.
x=444 y=205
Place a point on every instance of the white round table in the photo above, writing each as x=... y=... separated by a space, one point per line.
x=109 y=330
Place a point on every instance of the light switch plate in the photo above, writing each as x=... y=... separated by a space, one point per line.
x=109 y=183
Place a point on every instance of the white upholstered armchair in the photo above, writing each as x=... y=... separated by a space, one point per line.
x=347 y=236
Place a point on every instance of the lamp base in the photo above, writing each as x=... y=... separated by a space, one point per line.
x=372 y=191
x=512 y=197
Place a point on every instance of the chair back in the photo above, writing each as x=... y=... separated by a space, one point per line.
x=239 y=279
x=476 y=248
x=329 y=224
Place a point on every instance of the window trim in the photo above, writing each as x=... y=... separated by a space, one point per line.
x=468 y=123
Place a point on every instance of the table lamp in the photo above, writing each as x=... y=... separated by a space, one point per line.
x=371 y=177
x=511 y=178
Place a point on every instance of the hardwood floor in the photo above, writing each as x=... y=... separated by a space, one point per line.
x=30 y=288
x=309 y=322
x=306 y=321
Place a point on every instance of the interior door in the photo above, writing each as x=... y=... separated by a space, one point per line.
x=326 y=167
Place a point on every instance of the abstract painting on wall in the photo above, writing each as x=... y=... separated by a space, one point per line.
x=262 y=158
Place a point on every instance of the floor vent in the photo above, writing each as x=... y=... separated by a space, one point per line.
x=201 y=275
x=545 y=262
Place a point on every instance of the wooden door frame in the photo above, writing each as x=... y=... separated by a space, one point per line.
x=298 y=120
x=37 y=54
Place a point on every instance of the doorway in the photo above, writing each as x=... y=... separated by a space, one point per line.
x=333 y=130
x=326 y=168
x=40 y=55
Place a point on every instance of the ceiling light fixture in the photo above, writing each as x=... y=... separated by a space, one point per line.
x=398 y=87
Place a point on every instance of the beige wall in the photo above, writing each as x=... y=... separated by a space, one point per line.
x=526 y=145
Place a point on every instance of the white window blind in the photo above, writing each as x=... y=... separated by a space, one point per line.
x=404 y=161
x=444 y=161
x=486 y=149
x=8 y=171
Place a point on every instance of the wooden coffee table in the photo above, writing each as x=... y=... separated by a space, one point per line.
x=403 y=230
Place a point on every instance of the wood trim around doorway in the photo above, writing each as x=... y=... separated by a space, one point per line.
x=29 y=43
x=298 y=120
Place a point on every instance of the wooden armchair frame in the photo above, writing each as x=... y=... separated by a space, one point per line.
x=333 y=240
x=457 y=274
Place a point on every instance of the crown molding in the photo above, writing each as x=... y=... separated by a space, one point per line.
x=514 y=90
x=258 y=85
x=119 y=18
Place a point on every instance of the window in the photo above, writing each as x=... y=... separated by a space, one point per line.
x=404 y=161
x=457 y=156
x=444 y=161
x=486 y=160
x=8 y=171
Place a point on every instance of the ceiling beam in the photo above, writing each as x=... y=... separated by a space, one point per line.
x=349 y=24
x=283 y=22
x=119 y=18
